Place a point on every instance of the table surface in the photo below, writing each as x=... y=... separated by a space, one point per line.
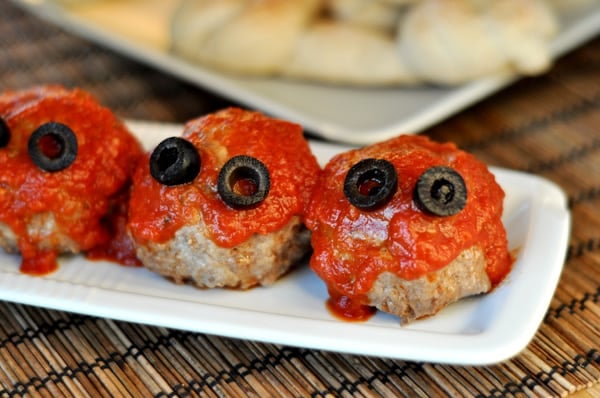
x=548 y=125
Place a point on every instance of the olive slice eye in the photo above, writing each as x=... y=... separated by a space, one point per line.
x=441 y=191
x=370 y=183
x=174 y=161
x=243 y=182
x=52 y=146
x=4 y=133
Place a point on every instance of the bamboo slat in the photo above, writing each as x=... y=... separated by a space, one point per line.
x=549 y=125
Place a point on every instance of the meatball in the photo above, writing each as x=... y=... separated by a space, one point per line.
x=406 y=226
x=66 y=161
x=223 y=205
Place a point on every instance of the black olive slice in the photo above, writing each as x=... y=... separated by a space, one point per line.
x=441 y=191
x=174 y=161
x=4 y=133
x=52 y=146
x=244 y=182
x=370 y=183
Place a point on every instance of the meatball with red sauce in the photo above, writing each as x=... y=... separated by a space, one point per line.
x=223 y=204
x=66 y=165
x=406 y=226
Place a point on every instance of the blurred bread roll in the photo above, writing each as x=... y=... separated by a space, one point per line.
x=371 y=13
x=142 y=21
x=455 y=41
x=367 y=42
x=345 y=53
x=284 y=37
x=251 y=37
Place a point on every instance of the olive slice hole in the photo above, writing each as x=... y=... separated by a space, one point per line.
x=440 y=191
x=243 y=182
x=53 y=146
x=4 y=133
x=370 y=183
x=166 y=159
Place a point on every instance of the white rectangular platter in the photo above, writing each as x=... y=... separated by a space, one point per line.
x=343 y=114
x=479 y=330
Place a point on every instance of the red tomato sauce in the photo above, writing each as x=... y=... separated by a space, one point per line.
x=79 y=197
x=120 y=248
x=158 y=211
x=353 y=247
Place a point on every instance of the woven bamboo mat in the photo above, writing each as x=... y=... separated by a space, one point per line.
x=549 y=125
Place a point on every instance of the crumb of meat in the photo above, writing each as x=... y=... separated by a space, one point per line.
x=425 y=296
x=8 y=240
x=192 y=257
x=41 y=228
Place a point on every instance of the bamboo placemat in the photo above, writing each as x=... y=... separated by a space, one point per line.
x=548 y=125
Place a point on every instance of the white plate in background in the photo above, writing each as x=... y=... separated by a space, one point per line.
x=342 y=114
x=479 y=330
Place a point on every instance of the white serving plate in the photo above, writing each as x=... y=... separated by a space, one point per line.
x=478 y=330
x=343 y=114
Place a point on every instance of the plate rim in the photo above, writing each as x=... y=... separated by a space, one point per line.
x=548 y=204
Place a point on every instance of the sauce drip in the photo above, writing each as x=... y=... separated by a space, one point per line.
x=346 y=308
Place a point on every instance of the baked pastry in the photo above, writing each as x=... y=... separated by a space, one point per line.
x=251 y=37
x=406 y=226
x=346 y=53
x=377 y=14
x=223 y=205
x=144 y=22
x=456 y=41
x=367 y=42
x=343 y=42
x=285 y=38
x=66 y=162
